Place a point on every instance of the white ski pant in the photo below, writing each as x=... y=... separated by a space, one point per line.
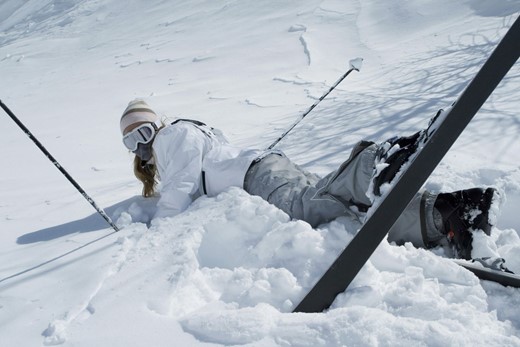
x=343 y=192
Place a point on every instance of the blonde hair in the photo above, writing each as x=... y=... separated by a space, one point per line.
x=146 y=174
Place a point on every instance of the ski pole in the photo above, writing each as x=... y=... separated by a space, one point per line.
x=58 y=166
x=355 y=64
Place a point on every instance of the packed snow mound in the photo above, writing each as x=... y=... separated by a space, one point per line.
x=232 y=268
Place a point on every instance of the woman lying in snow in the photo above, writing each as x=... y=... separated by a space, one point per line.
x=191 y=159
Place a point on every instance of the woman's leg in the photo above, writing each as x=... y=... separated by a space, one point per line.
x=445 y=219
x=284 y=184
x=341 y=193
x=417 y=224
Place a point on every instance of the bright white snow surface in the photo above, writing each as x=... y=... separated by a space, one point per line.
x=230 y=269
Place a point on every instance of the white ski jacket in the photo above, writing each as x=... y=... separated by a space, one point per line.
x=193 y=160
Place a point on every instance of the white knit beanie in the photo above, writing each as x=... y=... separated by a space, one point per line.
x=137 y=111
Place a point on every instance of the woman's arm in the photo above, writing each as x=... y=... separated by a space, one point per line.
x=179 y=151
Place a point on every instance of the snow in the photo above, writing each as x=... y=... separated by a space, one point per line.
x=230 y=269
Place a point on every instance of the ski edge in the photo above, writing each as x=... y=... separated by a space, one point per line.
x=504 y=278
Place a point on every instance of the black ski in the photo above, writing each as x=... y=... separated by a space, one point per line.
x=484 y=272
x=446 y=130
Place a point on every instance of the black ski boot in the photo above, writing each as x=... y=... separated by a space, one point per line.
x=462 y=212
x=394 y=152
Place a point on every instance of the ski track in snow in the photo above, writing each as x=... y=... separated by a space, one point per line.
x=306 y=50
x=56 y=332
x=231 y=268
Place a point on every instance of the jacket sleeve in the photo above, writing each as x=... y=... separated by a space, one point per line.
x=179 y=152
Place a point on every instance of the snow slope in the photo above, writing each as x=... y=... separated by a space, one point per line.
x=230 y=269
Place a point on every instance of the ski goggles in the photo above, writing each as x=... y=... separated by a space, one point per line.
x=142 y=134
